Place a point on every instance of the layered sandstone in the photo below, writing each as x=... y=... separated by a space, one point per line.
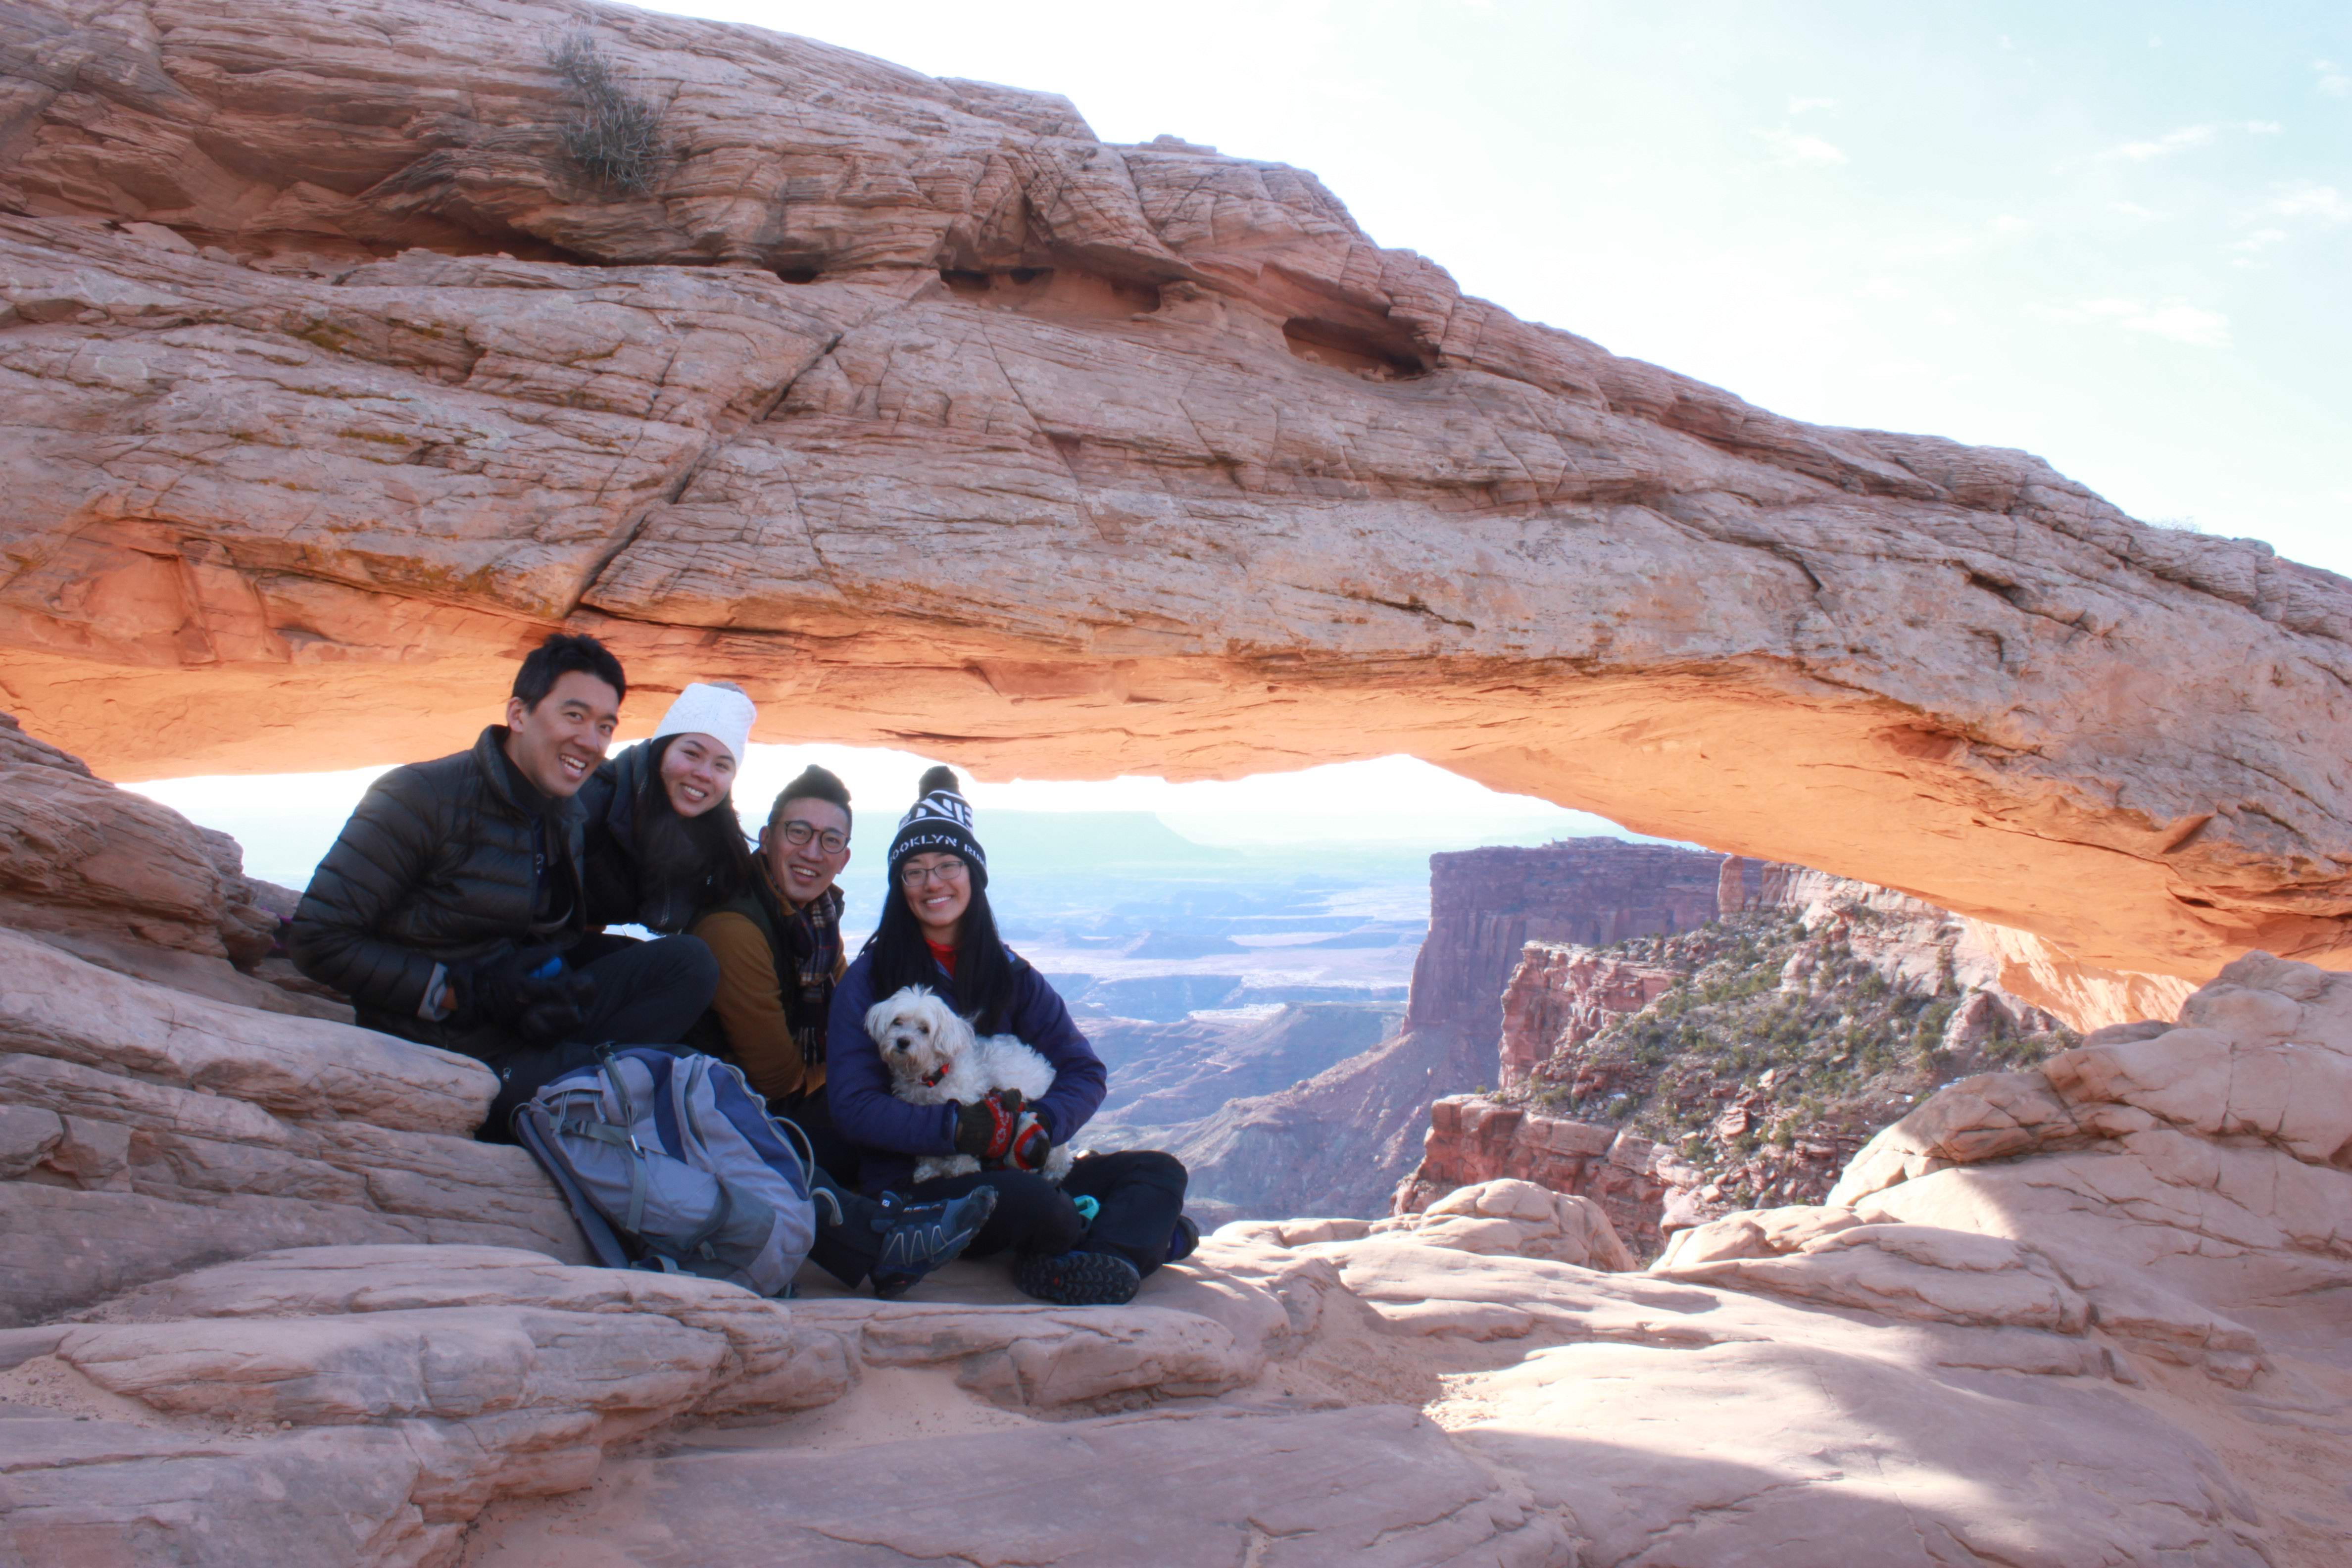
x=162 y=1109
x=1561 y=994
x=2075 y=1314
x=135 y=887
x=144 y=1131
x=1486 y=905
x=1673 y=1079
x=329 y=379
x=1472 y=1139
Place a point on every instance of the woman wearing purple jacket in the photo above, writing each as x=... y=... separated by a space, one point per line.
x=937 y=930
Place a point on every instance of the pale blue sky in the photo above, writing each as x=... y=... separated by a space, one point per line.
x=286 y=821
x=2117 y=236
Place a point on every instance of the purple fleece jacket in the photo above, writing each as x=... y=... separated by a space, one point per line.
x=890 y=1132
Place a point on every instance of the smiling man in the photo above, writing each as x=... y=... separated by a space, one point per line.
x=780 y=952
x=451 y=909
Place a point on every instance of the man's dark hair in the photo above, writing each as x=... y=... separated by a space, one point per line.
x=562 y=654
x=813 y=784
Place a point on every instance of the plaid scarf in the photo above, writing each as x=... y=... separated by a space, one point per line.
x=811 y=936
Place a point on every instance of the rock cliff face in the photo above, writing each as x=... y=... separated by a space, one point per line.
x=1165 y=1075
x=1335 y=1144
x=1560 y=995
x=1673 y=1079
x=1338 y=1141
x=334 y=369
x=135 y=887
x=1636 y=1183
x=1486 y=905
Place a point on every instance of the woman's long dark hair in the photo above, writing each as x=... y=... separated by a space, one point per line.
x=686 y=864
x=983 y=970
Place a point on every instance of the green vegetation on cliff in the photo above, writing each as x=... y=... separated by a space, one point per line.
x=1778 y=1049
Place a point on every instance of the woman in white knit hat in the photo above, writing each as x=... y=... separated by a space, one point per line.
x=664 y=842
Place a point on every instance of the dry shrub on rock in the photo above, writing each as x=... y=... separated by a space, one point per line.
x=615 y=138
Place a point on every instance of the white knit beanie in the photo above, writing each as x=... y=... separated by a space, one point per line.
x=720 y=710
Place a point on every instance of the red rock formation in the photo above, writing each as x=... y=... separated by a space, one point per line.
x=1472 y=1139
x=1486 y=905
x=1558 y=997
x=133 y=886
x=331 y=378
x=1782 y=1134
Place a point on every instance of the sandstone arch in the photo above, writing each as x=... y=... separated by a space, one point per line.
x=325 y=383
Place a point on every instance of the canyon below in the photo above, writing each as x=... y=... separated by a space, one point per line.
x=1950 y=1165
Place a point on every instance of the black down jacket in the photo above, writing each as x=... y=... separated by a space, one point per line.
x=435 y=868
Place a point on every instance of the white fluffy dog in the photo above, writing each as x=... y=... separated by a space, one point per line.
x=934 y=1056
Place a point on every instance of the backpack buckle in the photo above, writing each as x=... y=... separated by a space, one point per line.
x=611 y=1070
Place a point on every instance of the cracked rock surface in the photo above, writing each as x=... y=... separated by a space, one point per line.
x=2081 y=1315
x=329 y=380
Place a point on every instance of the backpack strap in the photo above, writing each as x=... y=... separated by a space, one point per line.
x=609 y=1249
x=624 y=1133
x=818 y=1191
x=609 y=1067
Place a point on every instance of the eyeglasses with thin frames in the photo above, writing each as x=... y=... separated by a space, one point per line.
x=833 y=841
x=945 y=872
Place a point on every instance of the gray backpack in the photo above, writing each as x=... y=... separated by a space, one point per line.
x=672 y=1163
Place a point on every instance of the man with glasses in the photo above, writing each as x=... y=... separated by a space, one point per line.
x=780 y=952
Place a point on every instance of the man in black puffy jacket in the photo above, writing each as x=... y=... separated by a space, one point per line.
x=451 y=910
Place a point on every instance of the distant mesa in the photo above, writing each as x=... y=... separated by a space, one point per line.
x=1180 y=944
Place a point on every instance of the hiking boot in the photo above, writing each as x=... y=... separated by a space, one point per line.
x=918 y=1238
x=1184 y=1240
x=1079 y=1279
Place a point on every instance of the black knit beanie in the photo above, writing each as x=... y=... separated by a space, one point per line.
x=940 y=822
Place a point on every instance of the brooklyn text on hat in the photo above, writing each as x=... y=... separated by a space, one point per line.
x=939 y=822
x=719 y=709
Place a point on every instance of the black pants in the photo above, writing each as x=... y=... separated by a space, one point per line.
x=1141 y=1191
x=847 y=1241
x=647 y=994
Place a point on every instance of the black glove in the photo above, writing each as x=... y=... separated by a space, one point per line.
x=564 y=1015
x=526 y=990
x=984 y=1129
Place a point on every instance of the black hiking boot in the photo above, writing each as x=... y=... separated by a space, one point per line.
x=1184 y=1240
x=918 y=1238
x=1079 y=1279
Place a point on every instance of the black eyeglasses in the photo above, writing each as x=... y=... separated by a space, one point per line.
x=833 y=841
